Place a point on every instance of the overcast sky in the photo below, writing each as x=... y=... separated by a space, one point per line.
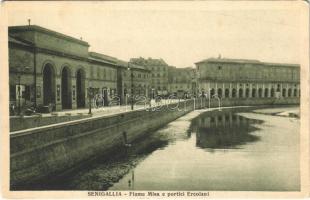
x=181 y=33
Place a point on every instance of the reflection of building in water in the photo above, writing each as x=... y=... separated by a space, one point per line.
x=223 y=131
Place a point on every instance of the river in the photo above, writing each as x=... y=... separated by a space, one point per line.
x=231 y=149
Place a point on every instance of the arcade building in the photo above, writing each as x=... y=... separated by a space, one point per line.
x=251 y=81
x=47 y=68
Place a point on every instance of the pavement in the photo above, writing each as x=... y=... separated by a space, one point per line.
x=101 y=111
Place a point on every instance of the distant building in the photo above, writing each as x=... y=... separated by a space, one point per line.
x=182 y=81
x=50 y=68
x=158 y=74
x=248 y=79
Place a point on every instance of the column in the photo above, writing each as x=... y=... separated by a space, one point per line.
x=58 y=93
x=39 y=89
x=263 y=93
x=237 y=92
x=230 y=90
x=250 y=93
x=73 y=92
x=223 y=91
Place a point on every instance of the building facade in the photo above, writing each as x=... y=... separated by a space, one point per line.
x=158 y=74
x=182 y=82
x=48 y=68
x=247 y=79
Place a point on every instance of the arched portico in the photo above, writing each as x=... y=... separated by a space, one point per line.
x=66 y=95
x=48 y=85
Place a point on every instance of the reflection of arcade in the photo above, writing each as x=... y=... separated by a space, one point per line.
x=225 y=130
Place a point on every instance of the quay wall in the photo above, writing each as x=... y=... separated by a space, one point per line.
x=39 y=153
x=43 y=152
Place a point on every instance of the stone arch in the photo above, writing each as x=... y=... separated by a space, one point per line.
x=226 y=93
x=289 y=92
x=234 y=93
x=295 y=92
x=240 y=92
x=266 y=92
x=48 y=75
x=253 y=92
x=284 y=92
x=247 y=93
x=66 y=94
x=219 y=92
x=212 y=92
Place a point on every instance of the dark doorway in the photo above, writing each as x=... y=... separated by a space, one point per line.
x=66 y=89
x=48 y=85
x=80 y=88
x=105 y=96
x=240 y=93
x=219 y=92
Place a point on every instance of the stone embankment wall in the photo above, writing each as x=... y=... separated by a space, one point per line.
x=44 y=152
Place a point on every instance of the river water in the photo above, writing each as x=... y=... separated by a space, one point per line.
x=218 y=150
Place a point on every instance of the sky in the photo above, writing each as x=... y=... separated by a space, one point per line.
x=181 y=33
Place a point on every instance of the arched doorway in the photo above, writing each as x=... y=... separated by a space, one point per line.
x=66 y=88
x=226 y=93
x=289 y=92
x=247 y=93
x=253 y=93
x=80 y=88
x=212 y=92
x=48 y=85
x=219 y=92
x=233 y=93
x=240 y=93
x=266 y=92
x=284 y=92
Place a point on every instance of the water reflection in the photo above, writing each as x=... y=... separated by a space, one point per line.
x=223 y=130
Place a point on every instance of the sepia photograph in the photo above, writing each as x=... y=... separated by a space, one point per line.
x=142 y=99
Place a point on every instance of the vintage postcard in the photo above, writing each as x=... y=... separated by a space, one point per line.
x=155 y=99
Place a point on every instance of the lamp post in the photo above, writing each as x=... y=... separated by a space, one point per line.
x=131 y=83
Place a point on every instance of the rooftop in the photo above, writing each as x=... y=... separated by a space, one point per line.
x=14 y=29
x=103 y=57
x=244 y=61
